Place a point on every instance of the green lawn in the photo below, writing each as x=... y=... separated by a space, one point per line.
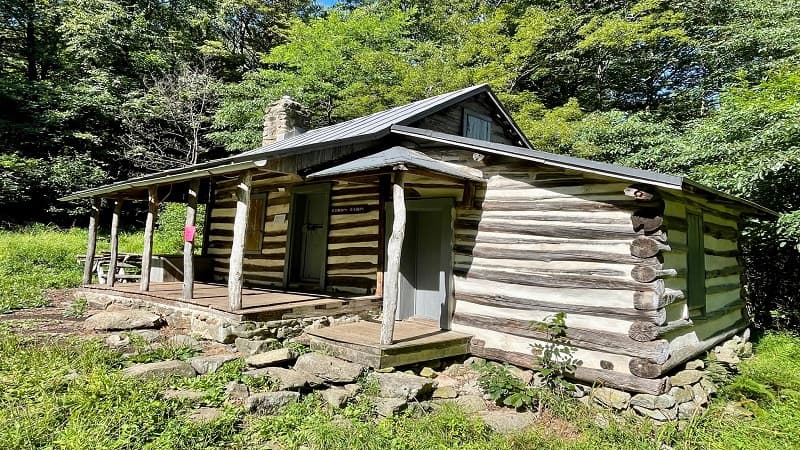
x=38 y=258
x=97 y=408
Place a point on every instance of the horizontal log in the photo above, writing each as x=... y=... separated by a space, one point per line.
x=647 y=247
x=723 y=288
x=347 y=225
x=529 y=278
x=529 y=304
x=464 y=261
x=603 y=341
x=645 y=369
x=358 y=265
x=647 y=273
x=365 y=282
x=724 y=272
x=648 y=331
x=600 y=377
x=577 y=205
x=353 y=251
x=647 y=219
x=475 y=215
x=649 y=301
x=483 y=250
x=642 y=193
x=357 y=238
x=529 y=227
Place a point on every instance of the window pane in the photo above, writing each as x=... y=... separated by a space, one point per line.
x=696 y=281
x=255 y=223
x=477 y=127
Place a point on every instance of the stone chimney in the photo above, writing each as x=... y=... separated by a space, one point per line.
x=283 y=119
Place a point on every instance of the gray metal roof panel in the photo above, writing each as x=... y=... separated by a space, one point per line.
x=396 y=156
x=378 y=122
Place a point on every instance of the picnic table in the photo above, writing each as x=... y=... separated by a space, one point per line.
x=129 y=266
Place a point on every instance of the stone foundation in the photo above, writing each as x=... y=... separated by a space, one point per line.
x=215 y=325
x=691 y=388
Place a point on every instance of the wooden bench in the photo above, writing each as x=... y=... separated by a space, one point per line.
x=129 y=266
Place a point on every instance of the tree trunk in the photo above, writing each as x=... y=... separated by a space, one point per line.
x=188 y=245
x=112 y=264
x=235 y=276
x=393 y=253
x=91 y=246
x=147 y=251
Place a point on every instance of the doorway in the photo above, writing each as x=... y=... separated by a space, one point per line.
x=426 y=261
x=308 y=240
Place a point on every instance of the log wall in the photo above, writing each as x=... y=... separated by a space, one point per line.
x=690 y=333
x=352 y=259
x=540 y=240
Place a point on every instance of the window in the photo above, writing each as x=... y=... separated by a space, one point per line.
x=477 y=126
x=696 y=265
x=255 y=223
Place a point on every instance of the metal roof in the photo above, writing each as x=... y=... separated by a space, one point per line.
x=400 y=156
x=379 y=124
x=362 y=129
x=396 y=121
x=570 y=162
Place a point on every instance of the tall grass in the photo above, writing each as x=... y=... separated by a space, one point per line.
x=93 y=408
x=38 y=258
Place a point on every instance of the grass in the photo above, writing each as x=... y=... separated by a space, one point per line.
x=35 y=259
x=69 y=393
x=95 y=407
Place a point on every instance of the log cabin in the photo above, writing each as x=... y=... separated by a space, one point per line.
x=443 y=214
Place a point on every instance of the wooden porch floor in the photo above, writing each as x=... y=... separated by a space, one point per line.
x=258 y=304
x=414 y=342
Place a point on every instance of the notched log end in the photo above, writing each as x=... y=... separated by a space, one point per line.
x=641 y=192
x=647 y=247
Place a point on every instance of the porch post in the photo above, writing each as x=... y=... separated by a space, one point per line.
x=147 y=251
x=112 y=264
x=393 y=251
x=91 y=246
x=188 y=244
x=235 y=278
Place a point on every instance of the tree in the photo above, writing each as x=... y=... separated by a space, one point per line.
x=166 y=122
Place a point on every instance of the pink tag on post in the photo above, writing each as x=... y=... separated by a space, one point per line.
x=188 y=233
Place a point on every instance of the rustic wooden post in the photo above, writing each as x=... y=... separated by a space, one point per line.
x=393 y=253
x=112 y=263
x=149 y=224
x=235 y=278
x=91 y=246
x=188 y=245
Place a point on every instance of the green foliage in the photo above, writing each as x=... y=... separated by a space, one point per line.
x=98 y=409
x=146 y=352
x=504 y=388
x=95 y=407
x=777 y=364
x=35 y=259
x=556 y=357
x=168 y=237
x=77 y=308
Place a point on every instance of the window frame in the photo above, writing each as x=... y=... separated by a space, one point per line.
x=465 y=124
x=696 y=299
x=262 y=222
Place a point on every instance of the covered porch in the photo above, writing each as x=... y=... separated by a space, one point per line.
x=258 y=304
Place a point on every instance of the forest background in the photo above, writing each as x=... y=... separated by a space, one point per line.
x=93 y=91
